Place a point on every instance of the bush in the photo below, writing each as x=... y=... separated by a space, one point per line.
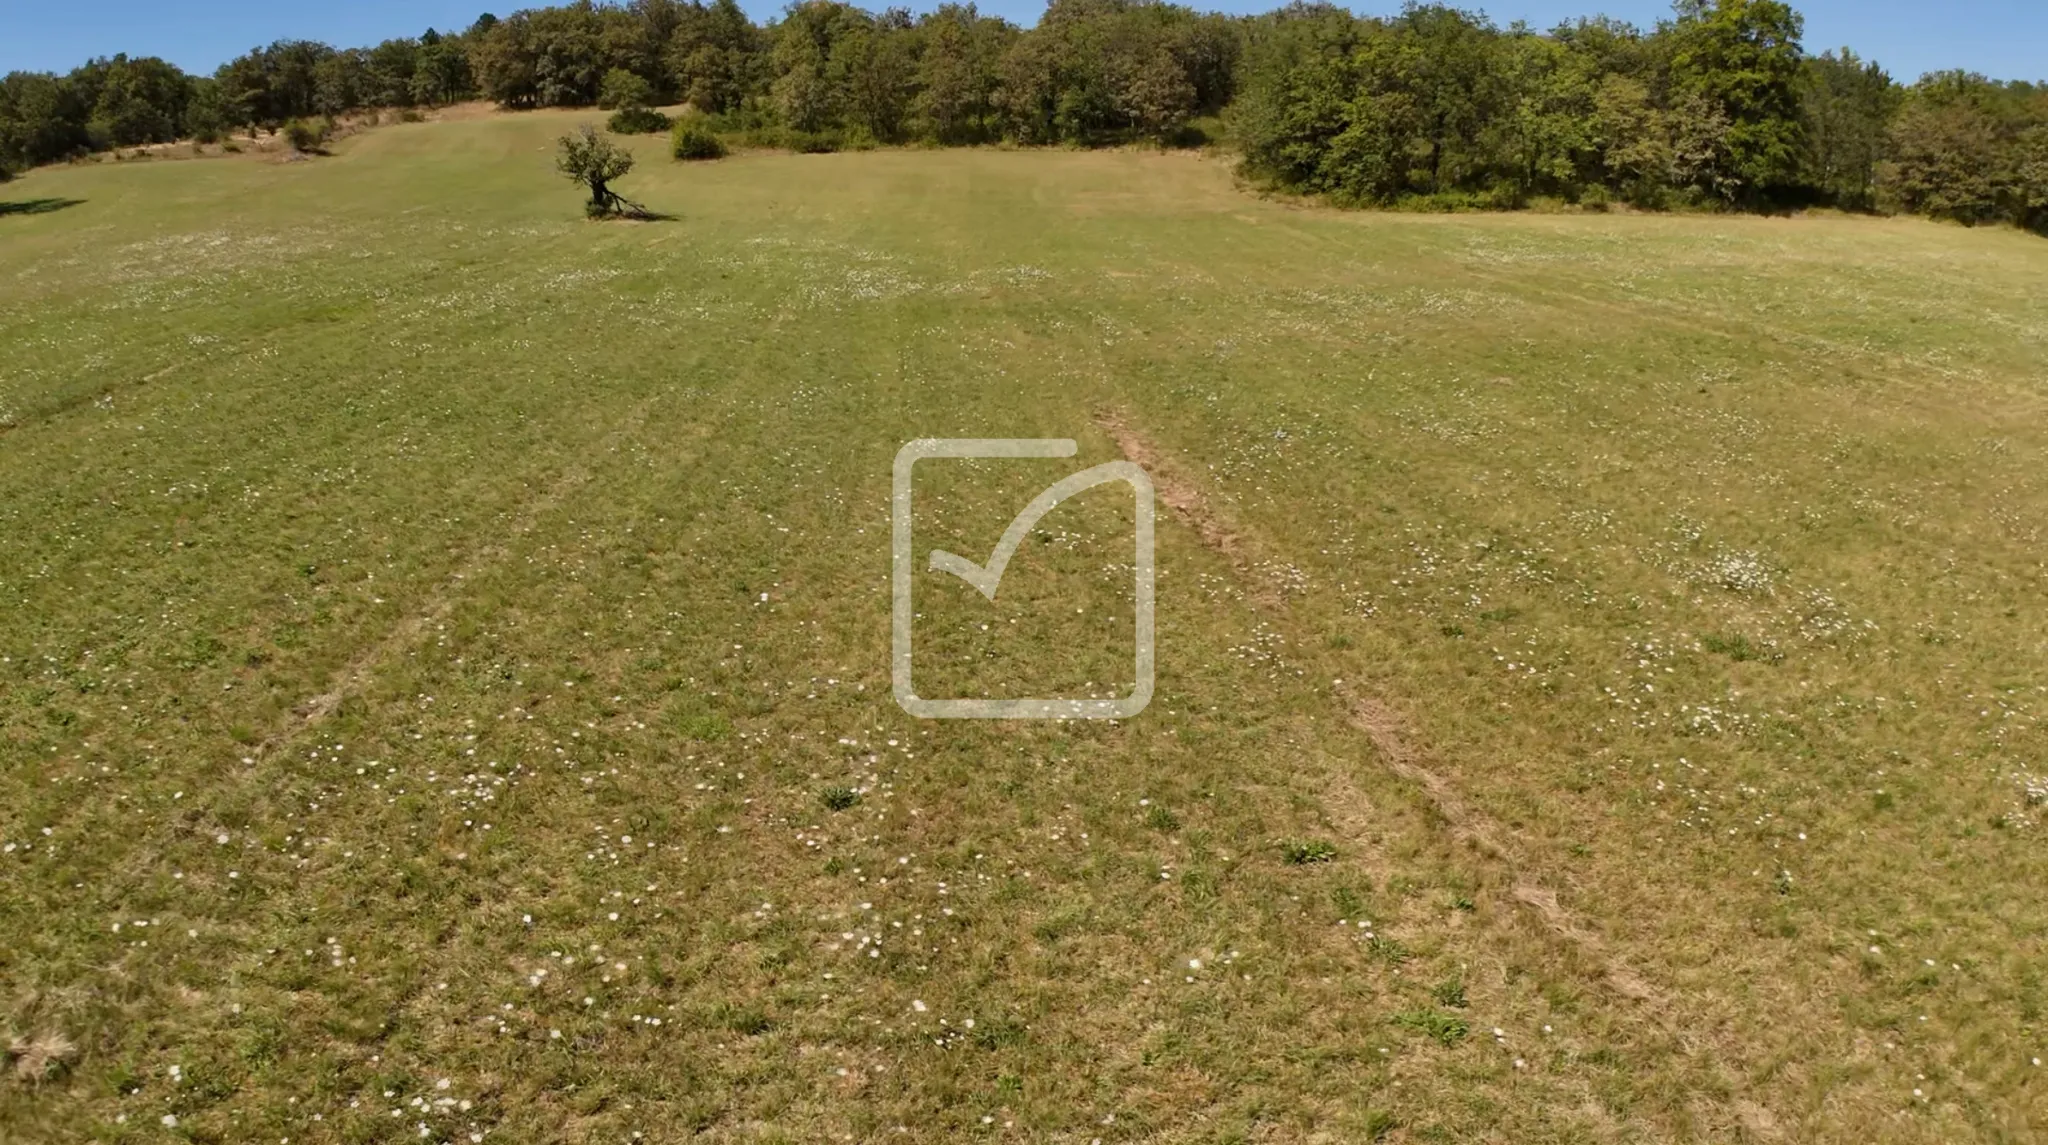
x=1450 y=992
x=813 y=142
x=231 y=147
x=1302 y=852
x=694 y=139
x=309 y=133
x=636 y=121
x=839 y=798
x=1202 y=131
x=1447 y=1029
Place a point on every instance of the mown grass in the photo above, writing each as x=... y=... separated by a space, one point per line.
x=445 y=683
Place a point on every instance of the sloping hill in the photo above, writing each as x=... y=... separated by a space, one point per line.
x=445 y=689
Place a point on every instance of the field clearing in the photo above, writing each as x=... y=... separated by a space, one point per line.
x=444 y=689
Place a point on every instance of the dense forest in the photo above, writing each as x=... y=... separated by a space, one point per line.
x=1718 y=105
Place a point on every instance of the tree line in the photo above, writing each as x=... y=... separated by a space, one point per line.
x=1718 y=104
x=122 y=102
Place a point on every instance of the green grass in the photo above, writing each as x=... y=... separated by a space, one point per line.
x=437 y=627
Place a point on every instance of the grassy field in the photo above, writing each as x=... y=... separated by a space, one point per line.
x=444 y=684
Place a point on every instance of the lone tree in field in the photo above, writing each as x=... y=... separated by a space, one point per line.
x=594 y=161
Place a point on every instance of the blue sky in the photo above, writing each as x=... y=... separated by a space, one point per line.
x=2006 y=39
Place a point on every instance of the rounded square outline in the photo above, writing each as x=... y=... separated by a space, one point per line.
x=902 y=564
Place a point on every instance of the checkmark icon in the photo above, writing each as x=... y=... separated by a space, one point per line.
x=988 y=577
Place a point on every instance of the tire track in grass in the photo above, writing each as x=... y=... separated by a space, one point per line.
x=1383 y=727
x=441 y=601
x=57 y=409
x=1187 y=502
x=1387 y=731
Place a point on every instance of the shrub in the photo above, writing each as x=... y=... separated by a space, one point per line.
x=813 y=142
x=309 y=133
x=748 y=1021
x=231 y=147
x=694 y=139
x=1202 y=131
x=1450 y=992
x=1302 y=852
x=636 y=121
x=1447 y=1029
x=707 y=727
x=839 y=798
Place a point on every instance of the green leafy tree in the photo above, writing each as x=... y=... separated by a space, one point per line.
x=441 y=72
x=1946 y=154
x=878 y=64
x=589 y=158
x=955 y=76
x=1298 y=76
x=1146 y=76
x=389 y=73
x=811 y=87
x=1632 y=137
x=631 y=38
x=1442 y=59
x=243 y=88
x=2029 y=178
x=1543 y=138
x=1028 y=89
x=569 y=61
x=716 y=57
x=504 y=63
x=623 y=89
x=207 y=116
x=1735 y=74
x=542 y=57
x=1702 y=154
x=41 y=119
x=1368 y=161
x=1846 y=105
x=341 y=82
x=139 y=101
x=1208 y=49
